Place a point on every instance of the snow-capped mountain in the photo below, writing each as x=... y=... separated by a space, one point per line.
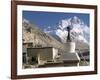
x=80 y=32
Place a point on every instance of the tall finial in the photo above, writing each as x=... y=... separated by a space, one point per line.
x=69 y=37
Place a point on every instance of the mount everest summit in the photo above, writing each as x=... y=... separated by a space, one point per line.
x=80 y=32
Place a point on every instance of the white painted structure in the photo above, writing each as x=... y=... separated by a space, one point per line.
x=44 y=55
x=55 y=54
x=70 y=56
x=70 y=47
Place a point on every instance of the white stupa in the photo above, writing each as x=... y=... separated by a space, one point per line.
x=70 y=57
x=69 y=43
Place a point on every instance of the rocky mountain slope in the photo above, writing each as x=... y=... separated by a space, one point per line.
x=32 y=34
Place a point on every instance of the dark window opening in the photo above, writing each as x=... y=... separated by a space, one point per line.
x=34 y=60
x=24 y=57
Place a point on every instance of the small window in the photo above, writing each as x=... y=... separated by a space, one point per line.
x=34 y=60
x=24 y=57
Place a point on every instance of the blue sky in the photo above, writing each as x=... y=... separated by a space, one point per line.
x=45 y=19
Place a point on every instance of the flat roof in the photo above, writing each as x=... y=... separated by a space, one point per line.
x=40 y=48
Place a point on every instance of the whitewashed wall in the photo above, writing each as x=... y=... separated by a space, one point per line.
x=70 y=47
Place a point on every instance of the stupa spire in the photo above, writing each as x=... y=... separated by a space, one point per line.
x=69 y=37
